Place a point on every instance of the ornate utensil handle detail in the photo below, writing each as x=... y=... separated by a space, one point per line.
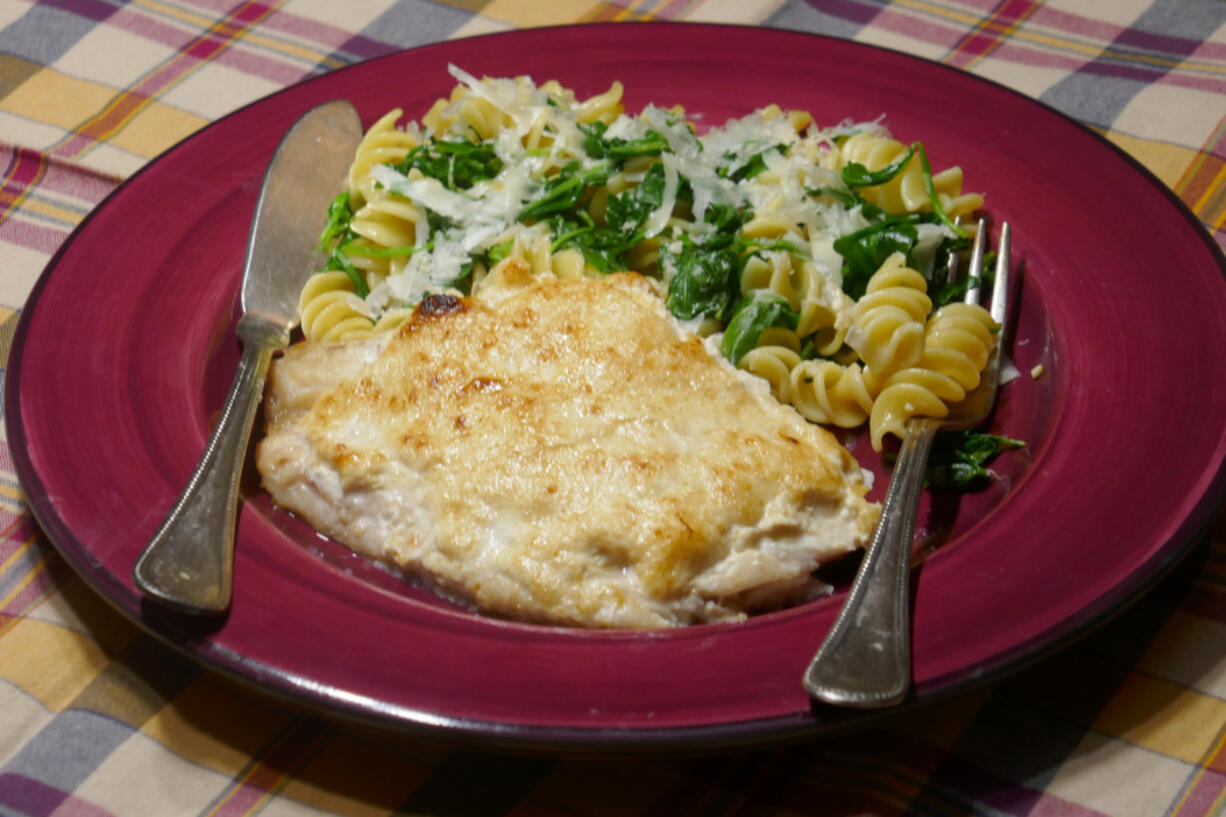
x=865 y=660
x=189 y=562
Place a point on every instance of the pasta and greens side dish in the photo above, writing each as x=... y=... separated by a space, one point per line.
x=808 y=255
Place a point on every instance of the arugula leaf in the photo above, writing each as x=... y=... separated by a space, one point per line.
x=942 y=290
x=458 y=165
x=724 y=217
x=707 y=278
x=949 y=293
x=339 y=215
x=438 y=222
x=627 y=211
x=564 y=190
x=933 y=198
x=959 y=459
x=498 y=252
x=865 y=250
x=339 y=261
x=753 y=316
x=847 y=198
x=569 y=233
x=606 y=248
x=857 y=175
x=463 y=281
x=749 y=168
x=384 y=252
x=872 y=212
x=602 y=247
x=597 y=146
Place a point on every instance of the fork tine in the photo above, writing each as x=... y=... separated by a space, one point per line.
x=974 y=270
x=953 y=262
x=1000 y=286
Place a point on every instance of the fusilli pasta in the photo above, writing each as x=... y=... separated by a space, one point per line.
x=957 y=342
x=887 y=330
x=802 y=251
x=907 y=192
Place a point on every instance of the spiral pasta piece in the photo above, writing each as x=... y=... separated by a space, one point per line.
x=386 y=222
x=568 y=264
x=829 y=393
x=887 y=327
x=774 y=272
x=390 y=320
x=906 y=192
x=489 y=106
x=383 y=143
x=774 y=364
x=380 y=220
x=909 y=393
x=821 y=306
x=958 y=340
x=331 y=310
x=798 y=119
x=604 y=107
x=644 y=256
x=825 y=310
x=467 y=110
x=767 y=225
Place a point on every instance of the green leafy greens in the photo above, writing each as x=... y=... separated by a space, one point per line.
x=458 y=164
x=606 y=248
x=753 y=316
x=866 y=249
x=339 y=216
x=563 y=191
x=748 y=168
x=684 y=199
x=705 y=279
x=857 y=175
x=959 y=459
x=338 y=260
x=598 y=146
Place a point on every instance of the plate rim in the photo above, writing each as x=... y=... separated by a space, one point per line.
x=290 y=686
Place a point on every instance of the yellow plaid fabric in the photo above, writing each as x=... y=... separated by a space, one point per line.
x=98 y=719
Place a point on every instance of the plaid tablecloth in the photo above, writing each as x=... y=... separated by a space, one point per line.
x=96 y=718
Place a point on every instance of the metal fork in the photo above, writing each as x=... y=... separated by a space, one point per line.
x=865 y=661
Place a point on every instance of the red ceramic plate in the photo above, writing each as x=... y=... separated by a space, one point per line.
x=125 y=350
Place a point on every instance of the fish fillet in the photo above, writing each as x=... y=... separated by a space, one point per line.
x=560 y=451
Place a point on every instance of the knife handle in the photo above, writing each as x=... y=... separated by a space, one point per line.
x=189 y=562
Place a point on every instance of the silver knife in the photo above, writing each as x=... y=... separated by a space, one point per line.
x=189 y=562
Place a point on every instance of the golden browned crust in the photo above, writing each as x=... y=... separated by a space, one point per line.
x=566 y=454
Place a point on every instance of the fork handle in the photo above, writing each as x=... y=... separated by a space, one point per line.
x=865 y=661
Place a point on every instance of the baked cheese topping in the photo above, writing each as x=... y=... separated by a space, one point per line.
x=561 y=451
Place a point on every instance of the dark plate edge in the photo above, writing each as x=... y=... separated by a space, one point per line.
x=495 y=735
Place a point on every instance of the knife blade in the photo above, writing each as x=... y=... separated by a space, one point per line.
x=188 y=564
